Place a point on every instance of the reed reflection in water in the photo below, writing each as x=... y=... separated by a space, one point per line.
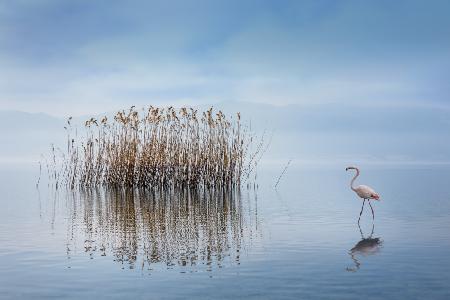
x=171 y=227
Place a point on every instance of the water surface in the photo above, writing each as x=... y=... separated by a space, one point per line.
x=300 y=240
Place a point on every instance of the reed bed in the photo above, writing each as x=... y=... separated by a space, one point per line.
x=158 y=147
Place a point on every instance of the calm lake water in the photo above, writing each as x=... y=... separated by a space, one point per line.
x=299 y=241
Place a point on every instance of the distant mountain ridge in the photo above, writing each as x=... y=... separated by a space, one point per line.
x=321 y=132
x=312 y=118
x=19 y=120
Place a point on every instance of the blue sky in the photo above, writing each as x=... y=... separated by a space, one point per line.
x=81 y=57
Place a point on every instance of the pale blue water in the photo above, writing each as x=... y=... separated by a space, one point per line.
x=294 y=242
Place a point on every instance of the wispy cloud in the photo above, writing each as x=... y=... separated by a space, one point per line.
x=67 y=57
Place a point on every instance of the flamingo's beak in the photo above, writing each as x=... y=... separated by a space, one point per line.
x=346 y=169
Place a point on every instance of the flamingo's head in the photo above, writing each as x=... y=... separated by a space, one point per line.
x=376 y=196
x=350 y=168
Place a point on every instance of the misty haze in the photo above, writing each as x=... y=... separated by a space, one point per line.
x=224 y=150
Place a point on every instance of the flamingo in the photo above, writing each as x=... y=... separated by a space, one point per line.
x=363 y=191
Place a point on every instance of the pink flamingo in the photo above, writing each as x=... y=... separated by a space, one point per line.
x=363 y=191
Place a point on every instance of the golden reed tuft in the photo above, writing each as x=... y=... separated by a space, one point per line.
x=158 y=147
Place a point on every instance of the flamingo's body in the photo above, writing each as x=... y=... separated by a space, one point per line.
x=363 y=191
x=366 y=192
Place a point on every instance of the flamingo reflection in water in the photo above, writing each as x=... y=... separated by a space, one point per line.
x=365 y=247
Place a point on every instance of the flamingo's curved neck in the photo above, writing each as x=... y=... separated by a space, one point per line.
x=353 y=180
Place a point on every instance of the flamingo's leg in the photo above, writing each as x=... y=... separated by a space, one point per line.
x=373 y=214
x=360 y=231
x=362 y=208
